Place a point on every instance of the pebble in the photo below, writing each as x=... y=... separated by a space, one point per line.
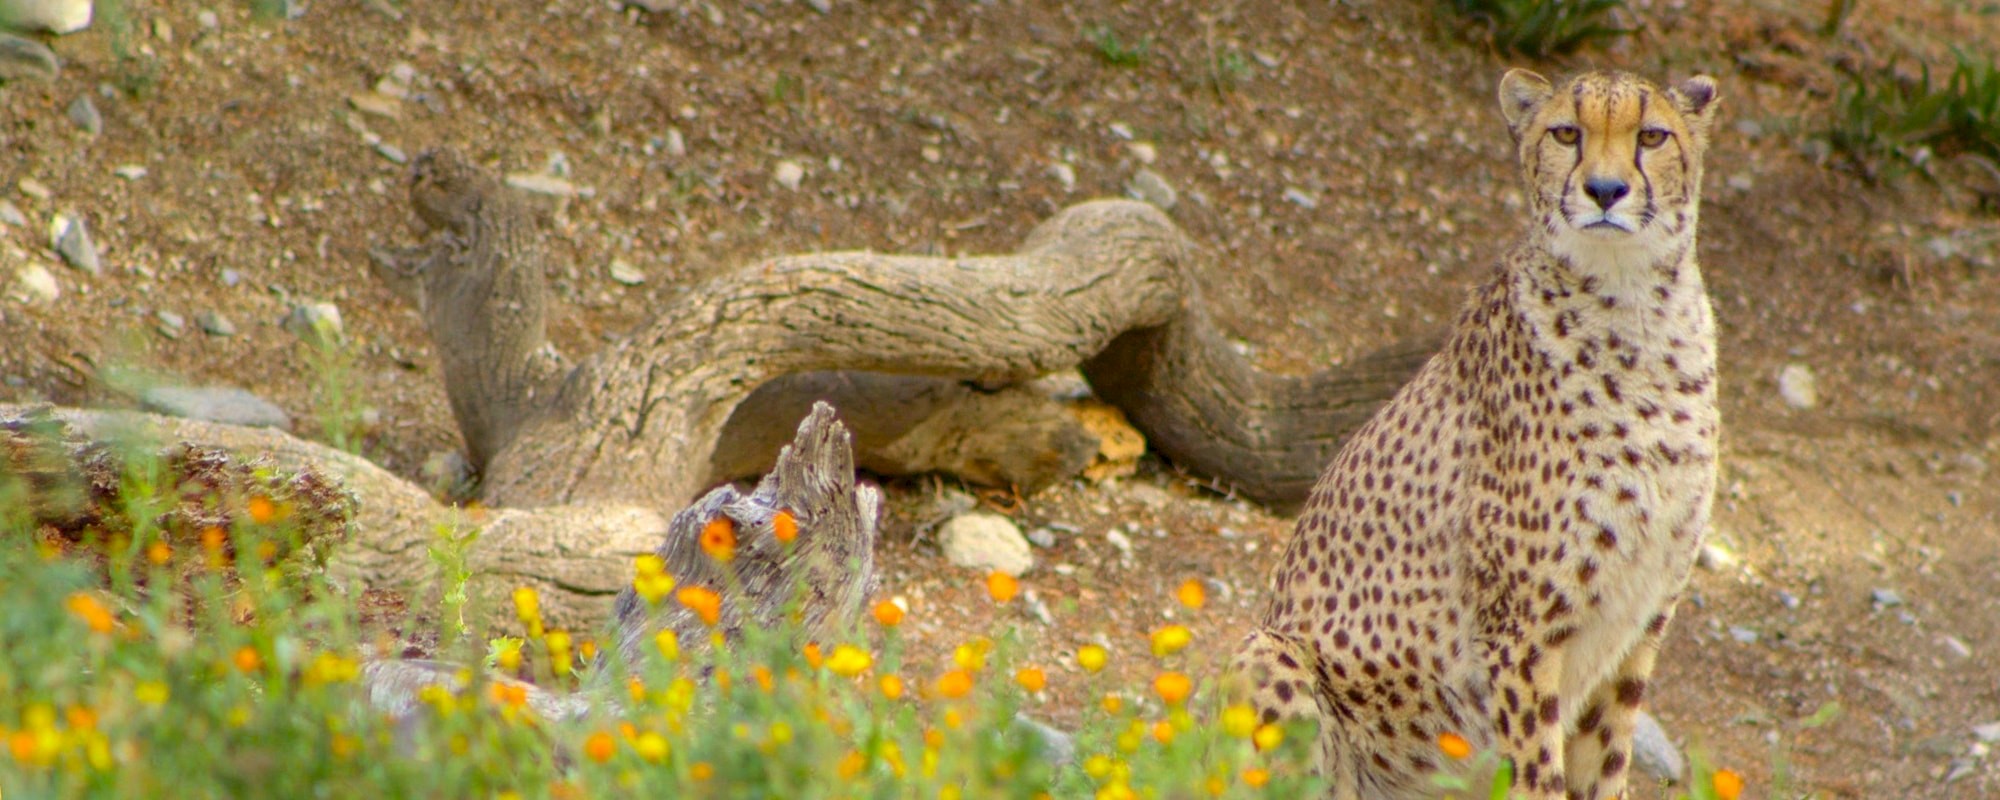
x=215 y=324
x=72 y=241
x=789 y=174
x=537 y=183
x=225 y=404
x=130 y=172
x=231 y=277
x=1885 y=598
x=932 y=154
x=1042 y=538
x=675 y=145
x=393 y=153
x=1143 y=152
x=27 y=59
x=308 y=318
x=821 y=6
x=1788 y=600
x=623 y=272
x=1064 y=174
x=1714 y=556
x=207 y=20
x=375 y=103
x=1147 y=185
x=1653 y=752
x=1742 y=634
x=1988 y=732
x=83 y=112
x=1121 y=541
x=34 y=188
x=34 y=284
x=170 y=319
x=1055 y=747
x=1300 y=198
x=1797 y=387
x=1957 y=646
x=986 y=542
x=11 y=215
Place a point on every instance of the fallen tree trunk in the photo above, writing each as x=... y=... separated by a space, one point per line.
x=1106 y=285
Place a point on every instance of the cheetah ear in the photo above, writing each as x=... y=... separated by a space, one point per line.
x=1521 y=92
x=1695 y=99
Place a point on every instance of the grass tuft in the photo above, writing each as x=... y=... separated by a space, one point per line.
x=1888 y=124
x=1543 y=28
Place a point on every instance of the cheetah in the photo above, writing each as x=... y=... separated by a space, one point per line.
x=1498 y=552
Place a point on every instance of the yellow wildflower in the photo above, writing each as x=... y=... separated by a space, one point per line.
x=848 y=661
x=650 y=579
x=652 y=747
x=1092 y=657
x=669 y=644
x=1239 y=720
x=1171 y=639
x=1268 y=736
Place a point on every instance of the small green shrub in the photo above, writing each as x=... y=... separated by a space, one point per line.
x=1115 y=51
x=1542 y=28
x=1888 y=124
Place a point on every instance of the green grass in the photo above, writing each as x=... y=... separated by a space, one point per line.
x=169 y=662
x=1887 y=124
x=1543 y=28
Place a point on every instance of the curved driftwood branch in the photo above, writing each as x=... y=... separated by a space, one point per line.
x=647 y=420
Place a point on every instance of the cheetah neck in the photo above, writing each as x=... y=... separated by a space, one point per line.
x=1580 y=290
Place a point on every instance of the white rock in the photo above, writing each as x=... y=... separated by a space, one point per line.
x=1956 y=646
x=34 y=188
x=538 y=183
x=83 y=112
x=1653 y=751
x=314 y=319
x=1299 y=197
x=789 y=174
x=54 y=16
x=1064 y=174
x=224 y=404
x=11 y=215
x=1988 y=733
x=1119 y=540
x=623 y=272
x=215 y=324
x=986 y=542
x=130 y=172
x=22 y=58
x=1147 y=185
x=33 y=284
x=1714 y=556
x=1143 y=152
x=207 y=19
x=1797 y=386
x=71 y=240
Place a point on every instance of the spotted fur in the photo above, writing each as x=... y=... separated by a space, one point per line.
x=1497 y=554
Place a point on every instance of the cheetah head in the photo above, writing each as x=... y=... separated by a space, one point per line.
x=1612 y=163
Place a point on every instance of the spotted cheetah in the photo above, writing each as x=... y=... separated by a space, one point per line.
x=1497 y=553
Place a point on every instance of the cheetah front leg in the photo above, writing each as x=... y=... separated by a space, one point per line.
x=1527 y=715
x=1599 y=751
x=1277 y=675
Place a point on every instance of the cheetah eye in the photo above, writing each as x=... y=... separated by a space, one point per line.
x=1652 y=137
x=1566 y=134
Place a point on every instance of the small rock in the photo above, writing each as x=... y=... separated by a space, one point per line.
x=1742 y=634
x=231 y=277
x=130 y=172
x=1988 y=732
x=393 y=153
x=623 y=272
x=27 y=59
x=170 y=319
x=1121 y=130
x=1941 y=247
x=1056 y=748
x=789 y=174
x=215 y=324
x=538 y=183
x=931 y=154
x=52 y=16
x=821 y=6
x=986 y=542
x=1143 y=152
x=1300 y=198
x=11 y=215
x=1885 y=598
x=375 y=103
x=1742 y=182
x=207 y=20
x=1653 y=751
x=83 y=112
x=308 y=320
x=34 y=188
x=1042 y=538
x=1147 y=185
x=1796 y=386
x=1119 y=540
x=1955 y=498
x=1956 y=647
x=224 y=404
x=1064 y=174
x=34 y=284
x=1788 y=600
x=1714 y=556
x=72 y=241
x=674 y=144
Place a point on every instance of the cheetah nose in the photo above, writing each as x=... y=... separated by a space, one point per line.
x=1606 y=190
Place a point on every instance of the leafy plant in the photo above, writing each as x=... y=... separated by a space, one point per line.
x=1542 y=28
x=1887 y=124
x=1116 y=51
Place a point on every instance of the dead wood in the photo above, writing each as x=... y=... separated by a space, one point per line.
x=644 y=421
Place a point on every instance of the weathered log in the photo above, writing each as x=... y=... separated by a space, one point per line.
x=643 y=421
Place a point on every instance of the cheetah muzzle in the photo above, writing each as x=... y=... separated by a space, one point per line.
x=1497 y=554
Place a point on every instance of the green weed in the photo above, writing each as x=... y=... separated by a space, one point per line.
x=1116 y=51
x=1542 y=28
x=1887 y=124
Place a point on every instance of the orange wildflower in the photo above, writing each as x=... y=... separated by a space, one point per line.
x=1032 y=679
x=1728 y=784
x=892 y=686
x=814 y=656
x=1256 y=777
x=262 y=510
x=701 y=770
x=1191 y=594
x=1454 y=746
x=88 y=608
x=159 y=552
x=1163 y=732
x=888 y=614
x=247 y=659
x=955 y=684
x=784 y=526
x=1173 y=687
x=600 y=747
x=1002 y=586
x=703 y=601
x=718 y=539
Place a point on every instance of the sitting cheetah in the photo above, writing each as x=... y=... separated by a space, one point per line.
x=1498 y=552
